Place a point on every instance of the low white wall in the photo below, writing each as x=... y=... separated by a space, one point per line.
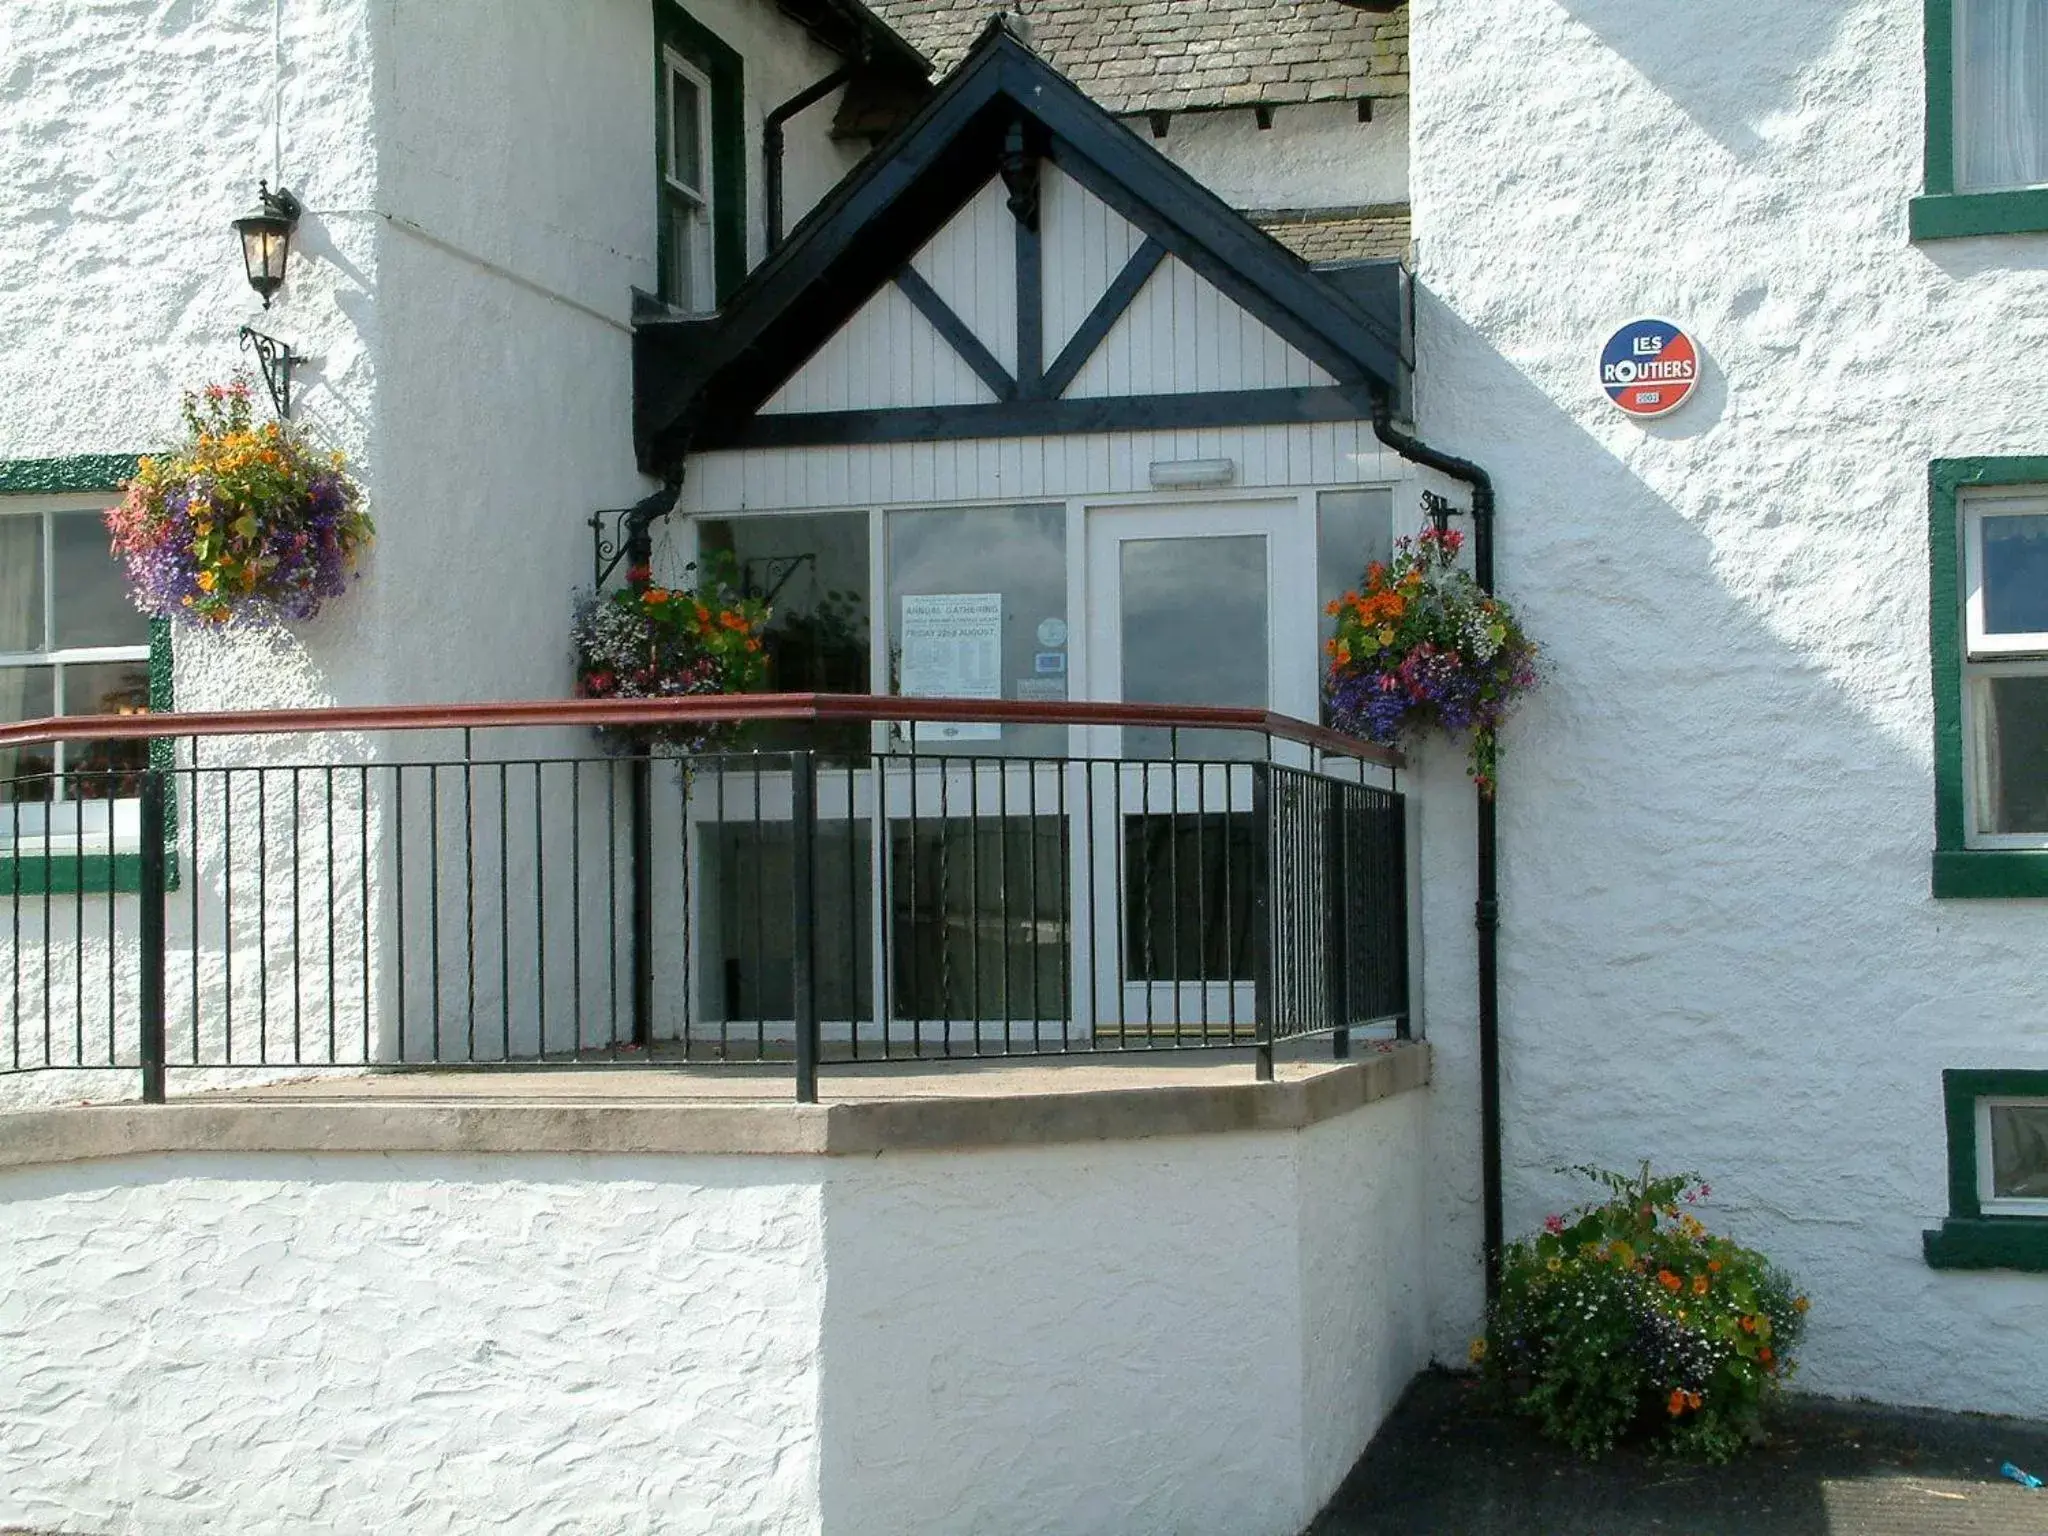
x=1195 y=1334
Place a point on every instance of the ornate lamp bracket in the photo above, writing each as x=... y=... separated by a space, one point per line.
x=277 y=360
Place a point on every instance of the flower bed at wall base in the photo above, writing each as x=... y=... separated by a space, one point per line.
x=242 y=522
x=1422 y=647
x=644 y=641
x=1630 y=1317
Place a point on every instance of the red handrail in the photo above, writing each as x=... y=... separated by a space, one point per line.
x=702 y=708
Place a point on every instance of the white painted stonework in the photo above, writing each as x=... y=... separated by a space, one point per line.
x=1318 y=156
x=1718 y=947
x=1043 y=1339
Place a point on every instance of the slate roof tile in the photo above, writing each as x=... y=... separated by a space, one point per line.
x=1242 y=51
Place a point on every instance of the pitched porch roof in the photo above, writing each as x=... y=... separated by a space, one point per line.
x=697 y=380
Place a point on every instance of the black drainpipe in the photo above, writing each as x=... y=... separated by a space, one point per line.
x=771 y=143
x=1486 y=912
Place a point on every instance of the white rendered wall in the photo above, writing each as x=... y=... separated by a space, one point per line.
x=433 y=1343
x=1317 y=156
x=1718 y=947
x=1190 y=1334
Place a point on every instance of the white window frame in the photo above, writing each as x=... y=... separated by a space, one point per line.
x=1988 y=657
x=1990 y=1203
x=701 y=199
x=64 y=825
x=1976 y=508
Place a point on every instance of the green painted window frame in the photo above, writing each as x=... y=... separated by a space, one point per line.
x=1969 y=1239
x=676 y=28
x=66 y=874
x=1958 y=869
x=1941 y=212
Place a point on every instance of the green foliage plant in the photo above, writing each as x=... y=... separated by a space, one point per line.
x=1628 y=1318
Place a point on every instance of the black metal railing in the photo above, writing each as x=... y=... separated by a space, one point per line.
x=270 y=894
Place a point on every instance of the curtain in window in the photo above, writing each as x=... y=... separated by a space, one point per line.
x=2001 y=76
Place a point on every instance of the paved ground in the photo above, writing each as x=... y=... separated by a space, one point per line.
x=1446 y=1462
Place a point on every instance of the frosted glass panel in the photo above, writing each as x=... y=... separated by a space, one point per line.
x=1194 y=631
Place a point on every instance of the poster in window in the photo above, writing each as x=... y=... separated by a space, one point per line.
x=953 y=649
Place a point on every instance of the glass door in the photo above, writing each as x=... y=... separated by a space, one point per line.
x=1194 y=605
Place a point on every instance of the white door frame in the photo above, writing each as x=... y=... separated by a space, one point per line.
x=1223 y=1010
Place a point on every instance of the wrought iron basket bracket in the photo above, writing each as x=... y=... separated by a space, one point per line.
x=276 y=360
x=622 y=533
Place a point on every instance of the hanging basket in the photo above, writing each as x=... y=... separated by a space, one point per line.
x=244 y=523
x=1425 y=648
x=644 y=641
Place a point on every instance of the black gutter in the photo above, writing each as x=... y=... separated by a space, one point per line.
x=772 y=145
x=1486 y=911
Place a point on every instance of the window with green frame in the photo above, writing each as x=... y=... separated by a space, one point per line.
x=1987 y=119
x=1997 y=1172
x=700 y=161
x=70 y=644
x=1988 y=617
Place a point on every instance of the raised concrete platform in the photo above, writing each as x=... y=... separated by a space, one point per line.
x=923 y=1106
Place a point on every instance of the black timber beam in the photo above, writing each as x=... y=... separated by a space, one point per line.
x=1050 y=418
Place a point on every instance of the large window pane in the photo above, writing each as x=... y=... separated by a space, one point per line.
x=2015 y=556
x=2001 y=92
x=93 y=607
x=103 y=770
x=1189 y=884
x=979 y=920
x=1194 y=632
x=21 y=588
x=980 y=596
x=813 y=573
x=748 y=886
x=1353 y=529
x=26 y=693
x=2012 y=741
x=2019 y=1151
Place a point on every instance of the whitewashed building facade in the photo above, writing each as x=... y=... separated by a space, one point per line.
x=1221 y=289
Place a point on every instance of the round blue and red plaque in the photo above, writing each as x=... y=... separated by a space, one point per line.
x=1649 y=367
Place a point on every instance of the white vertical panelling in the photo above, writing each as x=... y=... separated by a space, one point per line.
x=1085 y=243
x=1182 y=335
x=971 y=263
x=1005 y=469
x=886 y=355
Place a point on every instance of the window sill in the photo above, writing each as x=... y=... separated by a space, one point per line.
x=73 y=874
x=1954 y=215
x=1988 y=1242
x=1991 y=872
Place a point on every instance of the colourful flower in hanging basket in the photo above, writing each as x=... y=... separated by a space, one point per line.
x=1424 y=646
x=644 y=641
x=242 y=522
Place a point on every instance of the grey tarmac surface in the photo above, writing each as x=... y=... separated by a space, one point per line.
x=1447 y=1461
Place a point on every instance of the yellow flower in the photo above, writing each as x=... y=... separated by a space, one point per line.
x=206 y=581
x=1556 y=1264
x=1477 y=1351
x=1799 y=1303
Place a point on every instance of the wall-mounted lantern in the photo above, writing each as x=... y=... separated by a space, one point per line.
x=266 y=237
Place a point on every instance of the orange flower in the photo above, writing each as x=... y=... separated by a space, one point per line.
x=1749 y=1325
x=1675 y=1403
x=1765 y=1355
x=657 y=594
x=1699 y=1285
x=1714 y=1265
x=1799 y=1303
x=1668 y=1280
